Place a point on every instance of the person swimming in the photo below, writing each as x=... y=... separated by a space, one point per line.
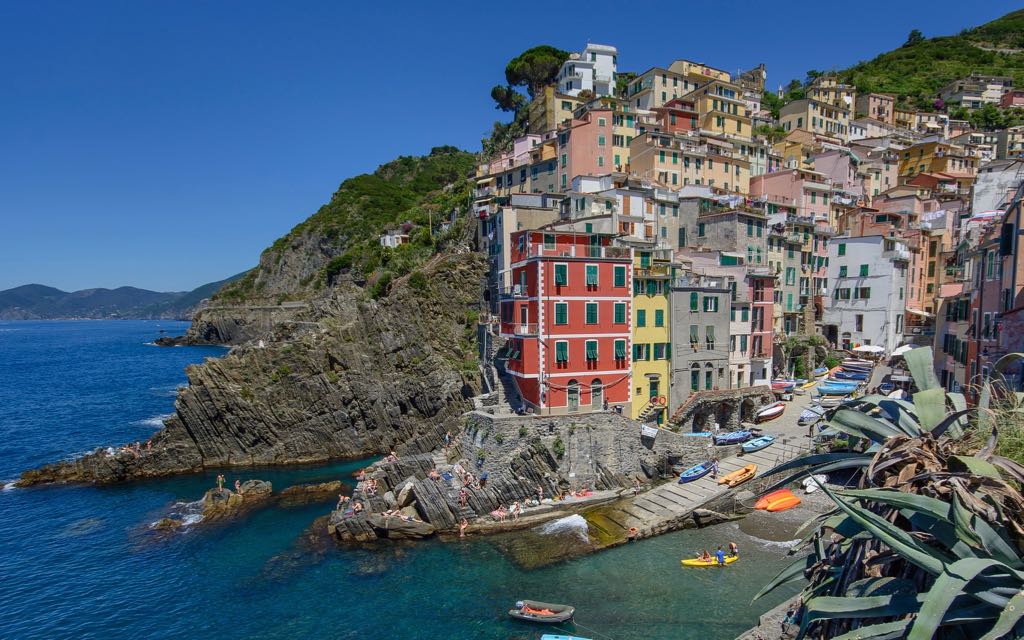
x=734 y=550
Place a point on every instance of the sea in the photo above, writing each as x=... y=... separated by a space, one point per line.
x=85 y=561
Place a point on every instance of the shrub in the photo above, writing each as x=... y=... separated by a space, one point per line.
x=418 y=281
x=558 y=447
x=522 y=432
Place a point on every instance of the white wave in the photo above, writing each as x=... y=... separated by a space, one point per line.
x=9 y=485
x=779 y=544
x=191 y=519
x=574 y=524
x=157 y=422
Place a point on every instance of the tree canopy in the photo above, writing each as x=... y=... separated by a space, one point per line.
x=915 y=37
x=535 y=68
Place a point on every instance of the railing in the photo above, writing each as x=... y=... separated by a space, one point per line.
x=654 y=271
x=577 y=251
x=513 y=291
x=529 y=329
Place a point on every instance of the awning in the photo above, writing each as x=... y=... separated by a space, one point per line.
x=918 y=312
x=901 y=350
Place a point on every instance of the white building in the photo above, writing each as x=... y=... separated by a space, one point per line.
x=593 y=70
x=394 y=239
x=995 y=184
x=866 y=297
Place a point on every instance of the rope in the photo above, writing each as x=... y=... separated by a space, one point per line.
x=585 y=628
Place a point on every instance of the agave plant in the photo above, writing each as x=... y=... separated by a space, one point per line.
x=930 y=542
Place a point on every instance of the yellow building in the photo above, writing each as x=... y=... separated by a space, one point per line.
x=698 y=72
x=677 y=160
x=549 y=108
x=829 y=90
x=903 y=118
x=821 y=118
x=936 y=157
x=652 y=370
x=722 y=109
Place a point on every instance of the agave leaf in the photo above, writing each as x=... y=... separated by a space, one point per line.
x=962 y=522
x=811 y=460
x=912 y=501
x=1008 y=619
x=1009 y=466
x=951 y=423
x=900 y=541
x=882 y=631
x=976 y=466
x=863 y=607
x=920 y=362
x=855 y=423
x=996 y=544
x=948 y=585
x=1004 y=363
x=931 y=407
x=827 y=520
x=858 y=461
x=794 y=571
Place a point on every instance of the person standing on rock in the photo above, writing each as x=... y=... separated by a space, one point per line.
x=462 y=528
x=220 y=482
x=636 y=487
x=540 y=493
x=238 y=487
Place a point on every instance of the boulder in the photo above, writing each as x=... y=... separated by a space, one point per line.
x=256 y=490
x=389 y=499
x=398 y=529
x=405 y=495
x=306 y=493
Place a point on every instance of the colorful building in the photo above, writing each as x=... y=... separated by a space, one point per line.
x=652 y=339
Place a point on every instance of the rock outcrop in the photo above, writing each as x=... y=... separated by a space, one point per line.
x=220 y=504
x=306 y=493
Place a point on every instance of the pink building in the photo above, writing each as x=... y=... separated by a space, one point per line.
x=805 y=191
x=585 y=147
x=878 y=106
x=840 y=168
x=1012 y=98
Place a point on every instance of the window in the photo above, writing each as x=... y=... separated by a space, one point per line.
x=709 y=378
x=653 y=288
x=641 y=352
x=863 y=293
x=549 y=241
x=700 y=229
x=620 y=349
x=619 y=275
x=661 y=156
x=842 y=272
x=561 y=313
x=659 y=318
x=693 y=301
x=591 y=315
x=641 y=318
x=600 y=161
x=601 y=122
x=750 y=228
x=858 y=322
x=842 y=249
x=709 y=336
x=693 y=336
x=591 y=275
x=695 y=377
x=901 y=293
x=710 y=303
x=620 y=313
x=744 y=314
x=863 y=270
x=743 y=344
x=562 y=351
x=561 y=275
x=592 y=350
x=600 y=141
x=565 y=160
x=660 y=349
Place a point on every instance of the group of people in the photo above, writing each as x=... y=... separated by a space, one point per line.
x=391 y=457
x=134 y=449
x=720 y=555
x=501 y=513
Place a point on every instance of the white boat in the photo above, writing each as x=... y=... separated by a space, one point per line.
x=810 y=486
x=770 y=412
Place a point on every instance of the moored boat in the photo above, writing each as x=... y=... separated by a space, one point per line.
x=733 y=437
x=697 y=471
x=757 y=444
x=544 y=612
x=850 y=375
x=739 y=476
x=770 y=412
x=713 y=562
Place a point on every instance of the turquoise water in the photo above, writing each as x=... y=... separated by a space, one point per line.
x=81 y=562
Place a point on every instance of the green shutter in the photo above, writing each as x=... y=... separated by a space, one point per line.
x=842 y=249
x=693 y=301
x=652 y=287
x=591 y=349
x=620 y=276
x=842 y=272
x=561 y=274
x=863 y=270
x=561 y=313
x=562 y=351
x=659 y=318
x=620 y=312
x=620 y=349
x=591 y=313
x=641 y=318
x=549 y=241
x=591 y=275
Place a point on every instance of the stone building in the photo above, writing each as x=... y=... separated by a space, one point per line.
x=699 y=312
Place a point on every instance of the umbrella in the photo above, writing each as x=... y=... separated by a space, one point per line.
x=901 y=350
x=869 y=348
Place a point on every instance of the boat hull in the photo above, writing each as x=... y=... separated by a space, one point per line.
x=560 y=612
x=783 y=504
x=763 y=502
x=734 y=437
x=696 y=562
x=770 y=412
x=758 y=443
x=739 y=476
x=695 y=473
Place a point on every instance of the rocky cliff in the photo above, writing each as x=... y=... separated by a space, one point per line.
x=333 y=359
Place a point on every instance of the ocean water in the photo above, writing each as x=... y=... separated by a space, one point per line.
x=82 y=562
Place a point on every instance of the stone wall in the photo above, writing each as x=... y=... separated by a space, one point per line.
x=726 y=407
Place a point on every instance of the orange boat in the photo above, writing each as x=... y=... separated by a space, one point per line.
x=781 y=503
x=739 y=476
x=767 y=499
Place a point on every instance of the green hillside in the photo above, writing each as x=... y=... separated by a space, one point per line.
x=916 y=71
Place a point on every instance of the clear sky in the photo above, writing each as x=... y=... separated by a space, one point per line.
x=165 y=144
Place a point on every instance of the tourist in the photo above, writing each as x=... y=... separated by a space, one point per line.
x=705 y=556
x=342 y=499
x=516 y=510
x=149 y=446
x=220 y=482
x=483 y=480
x=636 y=487
x=434 y=475
x=720 y=556
x=357 y=506
x=447 y=439
x=463 y=497
x=238 y=487
x=734 y=550
x=714 y=470
x=462 y=528
x=540 y=493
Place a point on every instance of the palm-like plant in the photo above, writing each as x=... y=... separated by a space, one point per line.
x=930 y=543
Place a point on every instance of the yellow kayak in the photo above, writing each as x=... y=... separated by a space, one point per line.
x=696 y=562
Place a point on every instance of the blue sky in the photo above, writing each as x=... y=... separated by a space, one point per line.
x=165 y=144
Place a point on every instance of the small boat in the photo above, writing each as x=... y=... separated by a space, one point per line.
x=857 y=365
x=850 y=375
x=820 y=371
x=545 y=612
x=783 y=385
x=696 y=472
x=739 y=476
x=808 y=385
x=810 y=414
x=830 y=402
x=552 y=636
x=768 y=498
x=811 y=484
x=835 y=390
x=770 y=412
x=713 y=562
x=783 y=503
x=757 y=444
x=733 y=437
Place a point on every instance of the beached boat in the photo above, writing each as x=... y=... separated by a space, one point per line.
x=836 y=389
x=810 y=414
x=850 y=375
x=553 y=636
x=787 y=502
x=857 y=365
x=765 y=500
x=807 y=385
x=713 y=562
x=739 y=476
x=545 y=612
x=830 y=402
x=772 y=411
x=783 y=385
x=819 y=372
x=757 y=444
x=733 y=437
x=696 y=472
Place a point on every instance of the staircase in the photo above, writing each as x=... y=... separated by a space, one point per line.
x=650 y=411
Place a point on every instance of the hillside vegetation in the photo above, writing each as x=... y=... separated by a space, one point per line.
x=342 y=238
x=917 y=70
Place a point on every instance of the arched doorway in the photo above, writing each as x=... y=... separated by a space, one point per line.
x=694 y=377
x=709 y=376
x=574 y=396
x=596 y=394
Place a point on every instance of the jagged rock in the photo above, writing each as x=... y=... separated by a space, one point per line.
x=167 y=524
x=256 y=489
x=405 y=497
x=398 y=529
x=224 y=503
x=305 y=493
x=389 y=499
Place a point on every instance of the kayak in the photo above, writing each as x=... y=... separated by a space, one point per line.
x=733 y=437
x=552 y=636
x=757 y=444
x=767 y=499
x=770 y=412
x=545 y=612
x=739 y=476
x=787 y=502
x=697 y=471
x=697 y=562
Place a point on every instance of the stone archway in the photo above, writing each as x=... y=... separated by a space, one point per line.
x=748 y=409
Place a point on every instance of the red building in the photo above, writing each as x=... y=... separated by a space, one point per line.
x=568 y=319
x=762 y=295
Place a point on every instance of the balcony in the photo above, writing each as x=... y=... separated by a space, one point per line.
x=530 y=329
x=515 y=291
x=899 y=253
x=654 y=271
x=576 y=251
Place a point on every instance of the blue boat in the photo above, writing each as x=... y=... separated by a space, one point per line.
x=844 y=384
x=819 y=372
x=826 y=390
x=757 y=444
x=697 y=472
x=809 y=415
x=733 y=437
x=551 y=636
x=850 y=375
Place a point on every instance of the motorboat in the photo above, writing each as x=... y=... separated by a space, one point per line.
x=770 y=412
x=733 y=437
x=757 y=444
x=696 y=472
x=543 y=612
x=739 y=476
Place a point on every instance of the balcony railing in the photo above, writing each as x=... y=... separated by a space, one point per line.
x=577 y=251
x=654 y=271
x=514 y=291
x=529 y=329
